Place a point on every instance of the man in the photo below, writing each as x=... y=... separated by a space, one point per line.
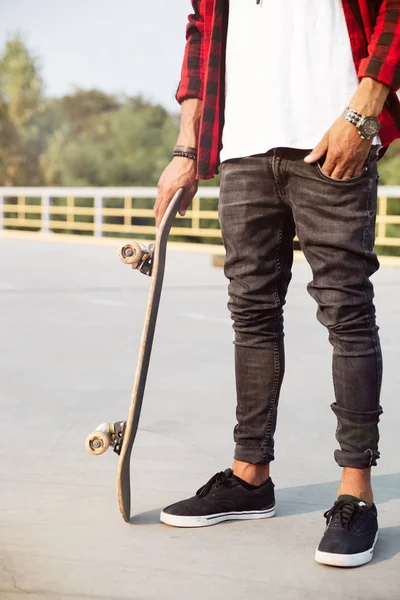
x=296 y=99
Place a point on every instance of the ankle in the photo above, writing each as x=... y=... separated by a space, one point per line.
x=357 y=482
x=253 y=474
x=362 y=494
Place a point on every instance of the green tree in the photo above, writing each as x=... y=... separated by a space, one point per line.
x=21 y=105
x=389 y=165
x=108 y=142
x=83 y=105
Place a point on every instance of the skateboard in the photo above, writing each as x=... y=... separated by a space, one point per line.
x=149 y=260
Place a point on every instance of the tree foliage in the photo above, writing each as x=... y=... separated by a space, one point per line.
x=21 y=106
x=84 y=138
x=88 y=137
x=389 y=166
x=104 y=141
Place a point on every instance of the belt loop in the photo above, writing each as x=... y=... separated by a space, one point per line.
x=373 y=153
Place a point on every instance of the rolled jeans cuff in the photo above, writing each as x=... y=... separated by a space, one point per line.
x=358 y=436
x=361 y=460
x=254 y=455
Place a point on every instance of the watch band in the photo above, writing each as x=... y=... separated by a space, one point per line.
x=353 y=116
x=362 y=123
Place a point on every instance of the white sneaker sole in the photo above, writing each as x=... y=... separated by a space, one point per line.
x=206 y=521
x=345 y=560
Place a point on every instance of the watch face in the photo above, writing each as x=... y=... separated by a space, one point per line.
x=370 y=127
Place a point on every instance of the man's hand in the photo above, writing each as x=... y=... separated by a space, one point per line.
x=180 y=173
x=346 y=151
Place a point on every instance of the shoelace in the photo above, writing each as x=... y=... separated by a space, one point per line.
x=216 y=481
x=347 y=512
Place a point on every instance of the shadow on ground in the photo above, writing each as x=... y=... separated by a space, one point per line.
x=304 y=499
x=388 y=544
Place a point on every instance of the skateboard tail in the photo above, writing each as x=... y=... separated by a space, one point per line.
x=124 y=492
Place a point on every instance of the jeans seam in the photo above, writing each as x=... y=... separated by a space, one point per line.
x=277 y=183
x=367 y=318
x=371 y=456
x=275 y=347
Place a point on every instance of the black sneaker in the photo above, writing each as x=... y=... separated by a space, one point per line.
x=350 y=535
x=223 y=498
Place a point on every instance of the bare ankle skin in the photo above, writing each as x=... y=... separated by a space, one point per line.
x=357 y=482
x=253 y=474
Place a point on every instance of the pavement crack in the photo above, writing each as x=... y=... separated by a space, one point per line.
x=13 y=578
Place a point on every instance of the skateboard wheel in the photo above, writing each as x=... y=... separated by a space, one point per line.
x=131 y=254
x=97 y=442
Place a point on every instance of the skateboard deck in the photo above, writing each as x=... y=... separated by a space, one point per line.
x=150 y=260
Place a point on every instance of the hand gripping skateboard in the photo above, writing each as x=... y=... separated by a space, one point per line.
x=150 y=260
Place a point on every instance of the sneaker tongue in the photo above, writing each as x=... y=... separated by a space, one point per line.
x=217 y=480
x=353 y=499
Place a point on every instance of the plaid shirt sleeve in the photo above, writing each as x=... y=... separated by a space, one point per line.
x=193 y=70
x=383 y=60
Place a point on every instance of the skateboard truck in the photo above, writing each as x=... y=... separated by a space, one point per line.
x=106 y=435
x=119 y=430
x=139 y=256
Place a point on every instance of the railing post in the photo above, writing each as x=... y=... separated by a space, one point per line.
x=1 y=212
x=196 y=212
x=127 y=212
x=70 y=208
x=382 y=214
x=45 y=215
x=98 y=216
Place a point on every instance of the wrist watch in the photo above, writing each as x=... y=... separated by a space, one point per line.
x=368 y=127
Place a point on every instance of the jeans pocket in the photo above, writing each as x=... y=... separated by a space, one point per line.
x=323 y=175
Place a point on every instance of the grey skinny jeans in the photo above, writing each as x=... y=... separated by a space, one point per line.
x=264 y=200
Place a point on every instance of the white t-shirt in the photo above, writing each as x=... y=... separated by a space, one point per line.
x=289 y=74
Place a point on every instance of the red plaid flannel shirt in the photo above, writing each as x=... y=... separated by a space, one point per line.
x=374 y=30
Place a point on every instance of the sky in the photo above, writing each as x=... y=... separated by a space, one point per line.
x=118 y=46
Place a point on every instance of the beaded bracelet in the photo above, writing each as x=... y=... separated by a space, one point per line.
x=185 y=154
x=185 y=151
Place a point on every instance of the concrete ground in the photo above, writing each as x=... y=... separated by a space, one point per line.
x=70 y=323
